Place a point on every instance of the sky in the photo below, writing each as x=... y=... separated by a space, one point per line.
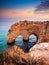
x=12 y=11
x=24 y=9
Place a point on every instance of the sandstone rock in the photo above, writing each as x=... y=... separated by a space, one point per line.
x=26 y=28
x=38 y=55
x=15 y=56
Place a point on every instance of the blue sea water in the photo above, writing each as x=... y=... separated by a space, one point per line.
x=3 y=44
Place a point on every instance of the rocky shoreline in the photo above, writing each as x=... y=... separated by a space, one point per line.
x=37 y=55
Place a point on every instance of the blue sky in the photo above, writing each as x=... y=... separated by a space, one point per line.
x=18 y=3
x=24 y=8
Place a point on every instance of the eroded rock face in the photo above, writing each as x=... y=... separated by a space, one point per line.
x=37 y=55
x=40 y=53
x=15 y=56
x=26 y=28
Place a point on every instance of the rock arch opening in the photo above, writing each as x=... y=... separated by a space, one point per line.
x=19 y=40
x=26 y=45
x=32 y=40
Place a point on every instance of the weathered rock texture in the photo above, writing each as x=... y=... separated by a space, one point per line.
x=40 y=54
x=26 y=28
x=15 y=56
x=37 y=55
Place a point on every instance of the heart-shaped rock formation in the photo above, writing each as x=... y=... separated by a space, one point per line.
x=26 y=28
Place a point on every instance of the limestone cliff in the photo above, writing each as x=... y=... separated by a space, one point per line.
x=26 y=28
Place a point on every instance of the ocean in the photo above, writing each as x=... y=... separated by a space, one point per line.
x=3 y=44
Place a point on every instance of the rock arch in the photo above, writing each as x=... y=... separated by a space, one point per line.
x=26 y=28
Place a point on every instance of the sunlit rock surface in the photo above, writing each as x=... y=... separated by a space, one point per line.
x=26 y=28
x=15 y=56
x=37 y=55
x=40 y=53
